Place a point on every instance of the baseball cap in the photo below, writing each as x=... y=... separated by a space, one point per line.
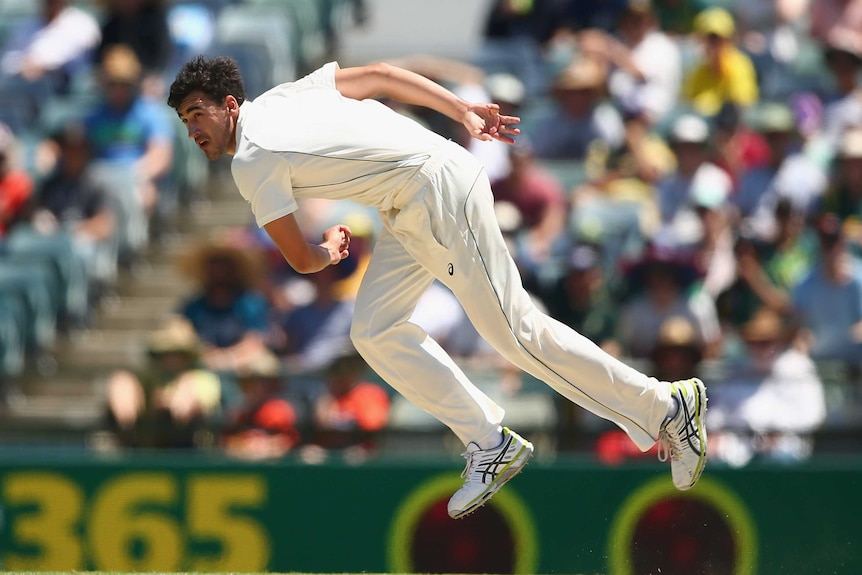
x=583 y=257
x=717 y=21
x=773 y=117
x=504 y=87
x=710 y=187
x=689 y=129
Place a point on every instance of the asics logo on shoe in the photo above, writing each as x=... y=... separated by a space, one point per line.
x=689 y=431
x=490 y=469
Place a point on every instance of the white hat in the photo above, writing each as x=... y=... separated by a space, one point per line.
x=505 y=87
x=690 y=129
x=851 y=144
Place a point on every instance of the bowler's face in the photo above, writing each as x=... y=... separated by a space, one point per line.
x=210 y=124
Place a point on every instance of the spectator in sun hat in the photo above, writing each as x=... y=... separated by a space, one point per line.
x=166 y=402
x=665 y=280
x=264 y=425
x=581 y=119
x=227 y=311
x=678 y=350
x=769 y=402
x=829 y=299
x=725 y=74
x=130 y=133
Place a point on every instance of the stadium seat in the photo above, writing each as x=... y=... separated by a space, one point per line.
x=269 y=29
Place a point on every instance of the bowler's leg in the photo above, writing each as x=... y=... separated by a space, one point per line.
x=404 y=355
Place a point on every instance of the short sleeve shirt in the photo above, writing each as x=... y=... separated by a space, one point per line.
x=305 y=139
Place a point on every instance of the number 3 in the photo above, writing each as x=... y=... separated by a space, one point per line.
x=50 y=529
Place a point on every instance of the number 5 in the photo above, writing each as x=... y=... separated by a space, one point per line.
x=212 y=515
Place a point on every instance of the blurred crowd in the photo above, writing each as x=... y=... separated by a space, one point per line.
x=686 y=192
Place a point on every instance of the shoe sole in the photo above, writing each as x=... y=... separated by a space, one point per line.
x=700 y=414
x=507 y=474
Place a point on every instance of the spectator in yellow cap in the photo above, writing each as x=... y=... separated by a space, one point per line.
x=725 y=74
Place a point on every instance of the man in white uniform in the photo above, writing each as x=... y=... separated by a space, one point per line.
x=322 y=136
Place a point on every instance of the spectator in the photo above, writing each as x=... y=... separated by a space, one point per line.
x=844 y=108
x=678 y=351
x=265 y=425
x=838 y=23
x=725 y=74
x=581 y=120
x=227 y=312
x=738 y=147
x=143 y=26
x=714 y=245
x=541 y=201
x=350 y=412
x=791 y=174
x=311 y=334
x=55 y=46
x=16 y=186
x=170 y=399
x=771 y=403
x=71 y=200
x=128 y=132
x=582 y=299
x=690 y=141
x=829 y=299
x=647 y=63
x=667 y=278
x=508 y=92
x=767 y=270
x=844 y=198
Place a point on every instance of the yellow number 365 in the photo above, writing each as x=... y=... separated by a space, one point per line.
x=131 y=523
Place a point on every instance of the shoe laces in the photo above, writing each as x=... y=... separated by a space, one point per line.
x=468 y=455
x=668 y=446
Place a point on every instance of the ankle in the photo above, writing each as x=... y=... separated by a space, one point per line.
x=673 y=408
x=492 y=440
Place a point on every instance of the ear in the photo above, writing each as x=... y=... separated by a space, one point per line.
x=231 y=104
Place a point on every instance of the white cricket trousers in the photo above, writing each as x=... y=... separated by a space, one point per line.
x=448 y=230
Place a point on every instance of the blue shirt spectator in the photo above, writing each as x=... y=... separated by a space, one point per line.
x=229 y=315
x=224 y=326
x=829 y=299
x=124 y=134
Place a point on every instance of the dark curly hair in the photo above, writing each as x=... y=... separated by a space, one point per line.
x=217 y=78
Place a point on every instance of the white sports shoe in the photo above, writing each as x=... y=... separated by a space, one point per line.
x=488 y=470
x=683 y=438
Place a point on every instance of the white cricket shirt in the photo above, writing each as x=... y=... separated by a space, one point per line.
x=304 y=139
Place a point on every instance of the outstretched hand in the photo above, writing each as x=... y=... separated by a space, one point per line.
x=484 y=122
x=337 y=241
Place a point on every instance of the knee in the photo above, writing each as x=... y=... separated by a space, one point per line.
x=362 y=333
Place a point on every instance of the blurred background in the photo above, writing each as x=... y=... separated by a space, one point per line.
x=686 y=192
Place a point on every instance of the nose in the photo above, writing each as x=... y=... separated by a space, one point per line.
x=193 y=131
